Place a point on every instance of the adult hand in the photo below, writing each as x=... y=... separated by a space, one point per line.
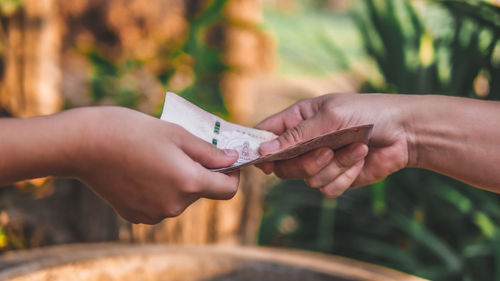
x=355 y=165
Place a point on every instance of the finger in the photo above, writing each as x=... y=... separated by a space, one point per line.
x=303 y=131
x=343 y=181
x=281 y=121
x=304 y=166
x=344 y=159
x=267 y=167
x=216 y=185
x=205 y=153
x=374 y=170
x=292 y=116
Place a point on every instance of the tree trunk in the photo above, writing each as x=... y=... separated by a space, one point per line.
x=30 y=85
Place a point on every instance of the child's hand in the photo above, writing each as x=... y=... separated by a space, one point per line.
x=149 y=169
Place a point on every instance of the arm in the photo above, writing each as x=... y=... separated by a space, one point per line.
x=147 y=169
x=457 y=137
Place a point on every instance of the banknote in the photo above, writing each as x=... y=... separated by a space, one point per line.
x=215 y=130
x=245 y=140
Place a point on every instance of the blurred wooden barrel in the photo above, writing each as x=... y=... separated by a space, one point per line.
x=109 y=262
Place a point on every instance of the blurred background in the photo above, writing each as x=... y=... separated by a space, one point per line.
x=245 y=60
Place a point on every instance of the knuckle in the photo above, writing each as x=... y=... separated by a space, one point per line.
x=213 y=151
x=343 y=161
x=190 y=183
x=180 y=133
x=344 y=181
x=232 y=192
x=173 y=211
x=329 y=105
x=351 y=176
x=309 y=168
x=313 y=182
x=293 y=135
x=336 y=188
x=333 y=101
x=170 y=210
x=332 y=112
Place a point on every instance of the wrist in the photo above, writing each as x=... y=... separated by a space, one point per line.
x=75 y=142
x=411 y=114
x=39 y=147
x=410 y=117
x=421 y=129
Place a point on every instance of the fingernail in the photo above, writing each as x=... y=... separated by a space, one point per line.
x=270 y=146
x=323 y=156
x=359 y=152
x=231 y=153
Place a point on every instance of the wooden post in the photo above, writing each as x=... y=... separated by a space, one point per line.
x=249 y=52
x=31 y=83
x=246 y=52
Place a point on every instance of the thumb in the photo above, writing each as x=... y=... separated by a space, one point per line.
x=303 y=131
x=205 y=153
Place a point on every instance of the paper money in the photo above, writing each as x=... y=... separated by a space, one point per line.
x=215 y=130
x=245 y=140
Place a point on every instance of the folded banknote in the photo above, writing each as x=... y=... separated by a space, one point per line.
x=245 y=140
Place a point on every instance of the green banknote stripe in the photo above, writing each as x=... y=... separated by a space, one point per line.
x=216 y=131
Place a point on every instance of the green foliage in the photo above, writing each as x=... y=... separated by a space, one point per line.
x=208 y=67
x=414 y=60
x=312 y=47
x=422 y=229
x=9 y=7
x=108 y=81
x=201 y=52
x=484 y=12
x=415 y=220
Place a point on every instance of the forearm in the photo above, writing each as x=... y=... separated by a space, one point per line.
x=36 y=147
x=457 y=137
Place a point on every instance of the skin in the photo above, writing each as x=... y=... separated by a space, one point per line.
x=458 y=137
x=146 y=168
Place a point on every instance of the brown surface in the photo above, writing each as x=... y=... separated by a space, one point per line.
x=187 y=263
x=30 y=83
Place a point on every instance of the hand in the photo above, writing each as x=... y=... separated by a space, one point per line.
x=146 y=168
x=355 y=165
